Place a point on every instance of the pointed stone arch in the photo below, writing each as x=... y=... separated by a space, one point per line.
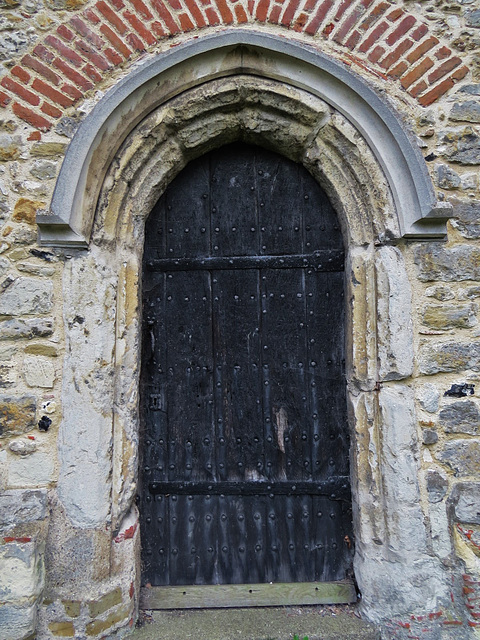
x=124 y=155
x=70 y=219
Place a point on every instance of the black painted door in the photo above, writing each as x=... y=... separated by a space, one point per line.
x=245 y=442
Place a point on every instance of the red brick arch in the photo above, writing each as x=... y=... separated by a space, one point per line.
x=375 y=34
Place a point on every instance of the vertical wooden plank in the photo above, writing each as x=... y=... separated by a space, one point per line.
x=274 y=568
x=280 y=218
x=327 y=392
x=241 y=561
x=206 y=539
x=155 y=541
x=154 y=380
x=284 y=571
x=187 y=210
x=236 y=347
x=176 y=539
x=284 y=359
x=155 y=236
x=191 y=551
x=290 y=526
x=226 y=567
x=239 y=343
x=190 y=368
x=234 y=218
x=321 y=229
x=334 y=557
x=320 y=515
x=307 y=544
x=255 y=507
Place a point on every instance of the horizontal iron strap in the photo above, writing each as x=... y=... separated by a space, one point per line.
x=326 y=260
x=337 y=488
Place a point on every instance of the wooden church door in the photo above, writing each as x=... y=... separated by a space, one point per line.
x=245 y=474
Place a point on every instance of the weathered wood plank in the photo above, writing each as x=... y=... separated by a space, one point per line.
x=247 y=595
x=243 y=385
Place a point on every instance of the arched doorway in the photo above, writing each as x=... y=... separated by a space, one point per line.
x=245 y=474
x=127 y=165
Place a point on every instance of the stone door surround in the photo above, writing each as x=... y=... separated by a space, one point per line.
x=269 y=93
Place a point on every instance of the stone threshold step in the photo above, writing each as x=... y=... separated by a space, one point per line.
x=269 y=623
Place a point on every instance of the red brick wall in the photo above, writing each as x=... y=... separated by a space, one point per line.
x=377 y=35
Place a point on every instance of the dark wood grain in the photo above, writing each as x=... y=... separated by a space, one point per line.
x=244 y=474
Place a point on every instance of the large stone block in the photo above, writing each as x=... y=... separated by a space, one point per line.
x=450 y=264
x=467 y=214
x=17 y=623
x=472 y=18
x=7 y=351
x=450 y=316
x=461 y=145
x=470 y=90
x=428 y=396
x=8 y=375
x=17 y=415
x=449 y=357
x=447 y=178
x=440 y=292
x=363 y=331
x=64 y=629
x=48 y=149
x=14 y=43
x=25 y=210
x=22 y=446
x=36 y=269
x=21 y=575
x=44 y=169
x=440 y=530
x=85 y=440
x=116 y=617
x=399 y=588
x=468 y=111
x=460 y=417
x=394 y=316
x=65 y=5
x=26 y=296
x=463 y=456
x=22 y=505
x=100 y=605
x=26 y=328
x=366 y=473
x=39 y=372
x=400 y=469
x=10 y=147
x=465 y=501
x=67 y=126
x=437 y=485
x=38 y=468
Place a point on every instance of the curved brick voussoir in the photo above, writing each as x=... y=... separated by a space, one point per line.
x=376 y=35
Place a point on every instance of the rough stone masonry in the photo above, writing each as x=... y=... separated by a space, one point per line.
x=69 y=313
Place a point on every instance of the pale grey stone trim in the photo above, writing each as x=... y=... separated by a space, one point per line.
x=394 y=316
x=85 y=434
x=18 y=506
x=392 y=564
x=72 y=209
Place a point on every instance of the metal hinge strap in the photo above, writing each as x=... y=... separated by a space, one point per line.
x=322 y=260
x=337 y=488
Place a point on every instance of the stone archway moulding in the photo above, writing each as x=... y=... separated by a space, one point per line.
x=123 y=156
x=394 y=568
x=70 y=220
